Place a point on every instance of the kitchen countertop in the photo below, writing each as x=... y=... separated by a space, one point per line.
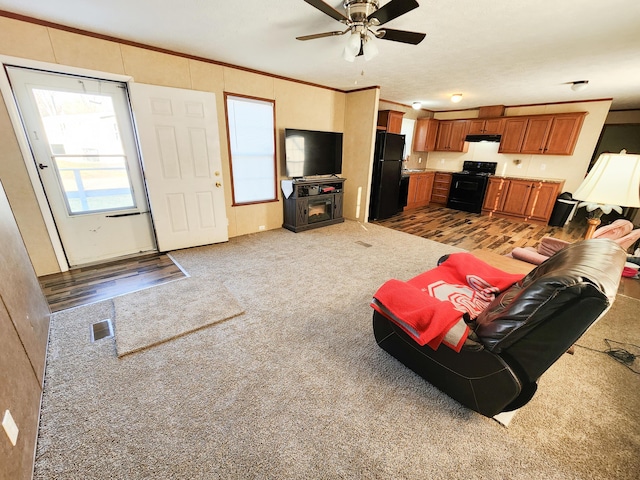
x=425 y=170
x=410 y=171
x=532 y=179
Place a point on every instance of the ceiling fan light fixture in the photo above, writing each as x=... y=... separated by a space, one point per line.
x=579 y=85
x=456 y=97
x=416 y=105
x=352 y=48
x=369 y=49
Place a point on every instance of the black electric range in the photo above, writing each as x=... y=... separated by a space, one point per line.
x=469 y=186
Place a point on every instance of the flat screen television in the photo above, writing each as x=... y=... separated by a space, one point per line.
x=311 y=152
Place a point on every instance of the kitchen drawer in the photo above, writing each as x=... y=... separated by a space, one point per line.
x=439 y=199
x=441 y=186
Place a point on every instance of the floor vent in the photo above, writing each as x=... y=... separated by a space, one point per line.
x=360 y=242
x=100 y=330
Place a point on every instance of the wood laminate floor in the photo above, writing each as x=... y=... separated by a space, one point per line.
x=89 y=284
x=474 y=231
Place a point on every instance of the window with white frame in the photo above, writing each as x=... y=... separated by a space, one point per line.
x=252 y=152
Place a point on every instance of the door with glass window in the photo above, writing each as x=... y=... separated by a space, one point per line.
x=82 y=139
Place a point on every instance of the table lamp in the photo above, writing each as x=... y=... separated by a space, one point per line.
x=612 y=183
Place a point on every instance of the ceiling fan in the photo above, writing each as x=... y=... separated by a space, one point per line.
x=360 y=18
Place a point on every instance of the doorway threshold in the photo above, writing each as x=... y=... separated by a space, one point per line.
x=93 y=283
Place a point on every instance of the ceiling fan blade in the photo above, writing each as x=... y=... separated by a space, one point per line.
x=392 y=10
x=321 y=35
x=327 y=9
x=403 y=36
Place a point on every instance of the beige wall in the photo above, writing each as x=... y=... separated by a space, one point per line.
x=571 y=168
x=297 y=105
x=357 y=164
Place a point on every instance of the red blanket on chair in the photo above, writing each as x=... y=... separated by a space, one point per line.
x=429 y=305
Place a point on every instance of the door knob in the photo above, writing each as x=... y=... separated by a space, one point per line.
x=218 y=184
x=42 y=166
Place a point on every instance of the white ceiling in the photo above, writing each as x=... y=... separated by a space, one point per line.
x=494 y=52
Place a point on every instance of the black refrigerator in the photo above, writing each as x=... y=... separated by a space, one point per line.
x=387 y=173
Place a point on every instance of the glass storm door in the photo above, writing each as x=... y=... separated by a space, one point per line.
x=81 y=135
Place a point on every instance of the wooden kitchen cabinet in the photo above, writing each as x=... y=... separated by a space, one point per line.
x=486 y=126
x=536 y=134
x=528 y=200
x=564 y=132
x=542 y=199
x=420 y=188
x=424 y=137
x=390 y=120
x=516 y=197
x=451 y=134
x=495 y=194
x=552 y=134
x=441 y=187
x=513 y=134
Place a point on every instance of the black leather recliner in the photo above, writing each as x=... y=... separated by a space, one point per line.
x=522 y=332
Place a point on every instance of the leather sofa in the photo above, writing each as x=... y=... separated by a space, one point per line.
x=522 y=332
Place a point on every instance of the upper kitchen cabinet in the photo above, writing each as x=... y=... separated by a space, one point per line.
x=390 y=120
x=547 y=135
x=486 y=126
x=451 y=135
x=564 y=133
x=424 y=138
x=513 y=134
x=535 y=136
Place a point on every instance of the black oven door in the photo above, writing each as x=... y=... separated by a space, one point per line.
x=467 y=192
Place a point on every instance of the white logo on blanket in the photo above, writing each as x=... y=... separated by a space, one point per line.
x=472 y=298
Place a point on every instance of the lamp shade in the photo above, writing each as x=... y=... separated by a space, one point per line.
x=613 y=180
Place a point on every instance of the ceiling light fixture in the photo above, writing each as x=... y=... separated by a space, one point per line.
x=579 y=85
x=352 y=48
x=416 y=105
x=456 y=97
x=369 y=48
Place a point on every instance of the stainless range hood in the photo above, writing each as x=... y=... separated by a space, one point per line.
x=482 y=138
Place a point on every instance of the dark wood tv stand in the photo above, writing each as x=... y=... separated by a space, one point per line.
x=314 y=203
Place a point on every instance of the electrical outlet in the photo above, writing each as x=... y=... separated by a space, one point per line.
x=419 y=159
x=261 y=227
x=10 y=428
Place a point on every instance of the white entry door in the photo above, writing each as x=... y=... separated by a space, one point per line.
x=180 y=144
x=82 y=138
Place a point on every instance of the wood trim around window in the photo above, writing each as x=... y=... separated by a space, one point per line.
x=275 y=149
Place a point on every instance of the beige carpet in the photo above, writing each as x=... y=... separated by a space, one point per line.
x=155 y=315
x=296 y=388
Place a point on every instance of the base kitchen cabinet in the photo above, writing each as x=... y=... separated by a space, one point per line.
x=420 y=188
x=441 y=186
x=524 y=199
